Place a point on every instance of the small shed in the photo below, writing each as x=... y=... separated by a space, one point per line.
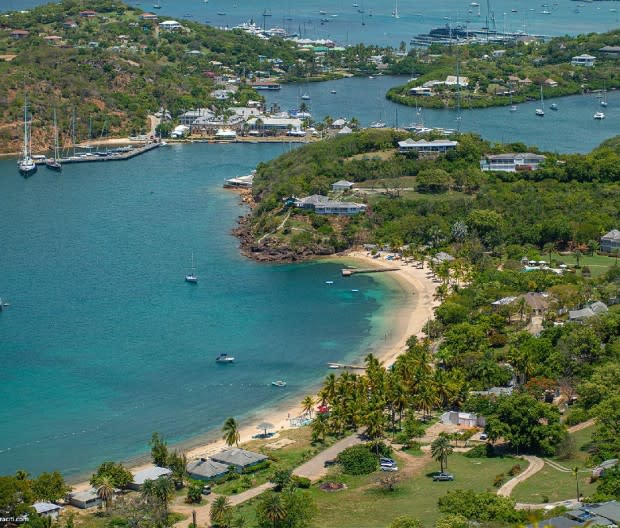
x=84 y=499
x=206 y=469
x=342 y=185
x=463 y=419
x=148 y=473
x=240 y=458
x=47 y=509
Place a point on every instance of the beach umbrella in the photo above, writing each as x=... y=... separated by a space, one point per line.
x=264 y=426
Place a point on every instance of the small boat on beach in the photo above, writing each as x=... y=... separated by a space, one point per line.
x=224 y=358
x=279 y=383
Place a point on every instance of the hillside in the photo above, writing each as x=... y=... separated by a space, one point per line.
x=114 y=68
x=490 y=72
x=569 y=202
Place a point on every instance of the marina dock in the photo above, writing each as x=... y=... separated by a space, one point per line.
x=118 y=155
x=347 y=272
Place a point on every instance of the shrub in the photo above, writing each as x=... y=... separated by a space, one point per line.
x=194 y=492
x=257 y=467
x=482 y=507
x=515 y=470
x=358 y=460
x=379 y=448
x=481 y=451
x=575 y=416
x=499 y=480
x=301 y=482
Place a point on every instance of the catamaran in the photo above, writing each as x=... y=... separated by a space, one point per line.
x=54 y=164
x=191 y=277
x=599 y=115
x=540 y=112
x=26 y=164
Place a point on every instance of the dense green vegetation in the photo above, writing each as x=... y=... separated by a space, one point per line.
x=489 y=75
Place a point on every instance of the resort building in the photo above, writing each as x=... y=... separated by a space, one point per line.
x=225 y=134
x=342 y=185
x=206 y=469
x=610 y=243
x=47 y=509
x=241 y=182
x=511 y=162
x=583 y=60
x=240 y=458
x=188 y=118
x=610 y=51
x=275 y=123
x=84 y=499
x=149 y=473
x=323 y=205
x=422 y=146
x=170 y=25
x=344 y=131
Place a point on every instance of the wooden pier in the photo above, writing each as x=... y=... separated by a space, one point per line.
x=347 y=272
x=346 y=367
x=115 y=156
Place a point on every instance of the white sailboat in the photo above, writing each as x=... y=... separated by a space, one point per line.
x=54 y=164
x=604 y=99
x=191 y=276
x=26 y=164
x=157 y=5
x=395 y=13
x=540 y=112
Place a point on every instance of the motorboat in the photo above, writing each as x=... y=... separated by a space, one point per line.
x=599 y=115
x=279 y=383
x=305 y=97
x=224 y=358
x=377 y=124
x=553 y=106
x=332 y=91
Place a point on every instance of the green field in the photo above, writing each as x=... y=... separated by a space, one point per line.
x=598 y=264
x=554 y=485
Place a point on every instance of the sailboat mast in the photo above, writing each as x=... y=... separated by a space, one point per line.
x=55 y=137
x=25 y=153
x=73 y=129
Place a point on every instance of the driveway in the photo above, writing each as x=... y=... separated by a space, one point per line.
x=315 y=468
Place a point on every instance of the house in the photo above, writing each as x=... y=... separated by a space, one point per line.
x=344 y=131
x=190 y=116
x=338 y=123
x=53 y=39
x=84 y=499
x=425 y=91
x=601 y=514
x=310 y=202
x=538 y=302
x=221 y=95
x=583 y=60
x=610 y=51
x=496 y=54
x=463 y=419
x=551 y=83
x=495 y=392
x=148 y=473
x=19 y=34
x=225 y=134
x=69 y=24
x=206 y=469
x=148 y=16
x=47 y=509
x=323 y=205
x=170 y=25
x=453 y=80
x=240 y=458
x=179 y=131
x=276 y=123
x=504 y=301
x=511 y=162
x=441 y=257
x=88 y=13
x=596 y=308
x=610 y=243
x=342 y=185
x=527 y=81
x=422 y=146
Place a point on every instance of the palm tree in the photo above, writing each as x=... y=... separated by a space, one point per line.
x=21 y=474
x=231 y=432
x=576 y=474
x=159 y=492
x=308 y=405
x=548 y=249
x=221 y=512
x=272 y=509
x=105 y=489
x=441 y=449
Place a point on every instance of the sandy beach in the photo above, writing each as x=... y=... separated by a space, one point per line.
x=408 y=321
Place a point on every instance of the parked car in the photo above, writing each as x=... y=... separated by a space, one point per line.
x=484 y=436
x=389 y=468
x=441 y=477
x=329 y=463
x=206 y=490
x=386 y=462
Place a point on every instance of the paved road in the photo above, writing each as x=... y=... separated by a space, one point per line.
x=315 y=468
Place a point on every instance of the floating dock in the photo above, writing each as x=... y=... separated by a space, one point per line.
x=113 y=156
x=347 y=272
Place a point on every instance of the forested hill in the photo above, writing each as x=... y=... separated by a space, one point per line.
x=114 y=67
x=569 y=202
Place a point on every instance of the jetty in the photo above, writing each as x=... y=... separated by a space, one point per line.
x=343 y=366
x=118 y=154
x=347 y=272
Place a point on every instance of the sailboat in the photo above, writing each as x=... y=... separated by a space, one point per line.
x=26 y=164
x=513 y=107
x=191 y=276
x=54 y=164
x=157 y=5
x=395 y=11
x=604 y=100
x=540 y=112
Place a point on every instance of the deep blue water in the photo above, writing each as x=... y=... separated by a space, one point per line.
x=570 y=129
x=416 y=16
x=105 y=343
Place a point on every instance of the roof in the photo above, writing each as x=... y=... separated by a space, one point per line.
x=314 y=199
x=512 y=155
x=598 y=307
x=343 y=183
x=345 y=130
x=150 y=473
x=610 y=49
x=44 y=507
x=537 y=301
x=238 y=457
x=169 y=23
x=504 y=301
x=84 y=496
x=609 y=510
x=614 y=234
x=207 y=468
x=442 y=256
x=584 y=56
x=425 y=143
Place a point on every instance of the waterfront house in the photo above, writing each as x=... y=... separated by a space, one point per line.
x=463 y=419
x=610 y=243
x=583 y=60
x=511 y=162
x=610 y=51
x=47 y=509
x=342 y=185
x=225 y=134
x=19 y=34
x=422 y=146
x=170 y=25
x=188 y=118
x=88 y=13
x=206 y=469
x=338 y=123
x=240 y=458
x=323 y=205
x=452 y=80
x=592 y=310
x=84 y=499
x=148 y=16
x=148 y=473
x=275 y=124
x=421 y=90
x=179 y=131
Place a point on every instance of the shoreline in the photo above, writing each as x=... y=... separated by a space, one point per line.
x=407 y=320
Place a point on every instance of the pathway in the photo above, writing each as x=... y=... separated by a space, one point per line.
x=315 y=468
x=535 y=465
x=582 y=425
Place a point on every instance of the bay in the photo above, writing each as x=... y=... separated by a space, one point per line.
x=105 y=343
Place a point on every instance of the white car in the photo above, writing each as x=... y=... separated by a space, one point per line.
x=389 y=468
x=484 y=436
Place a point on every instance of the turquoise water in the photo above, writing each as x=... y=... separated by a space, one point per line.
x=570 y=129
x=105 y=343
x=303 y=16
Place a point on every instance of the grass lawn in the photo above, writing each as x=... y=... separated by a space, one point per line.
x=365 y=504
x=598 y=264
x=557 y=485
x=287 y=457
